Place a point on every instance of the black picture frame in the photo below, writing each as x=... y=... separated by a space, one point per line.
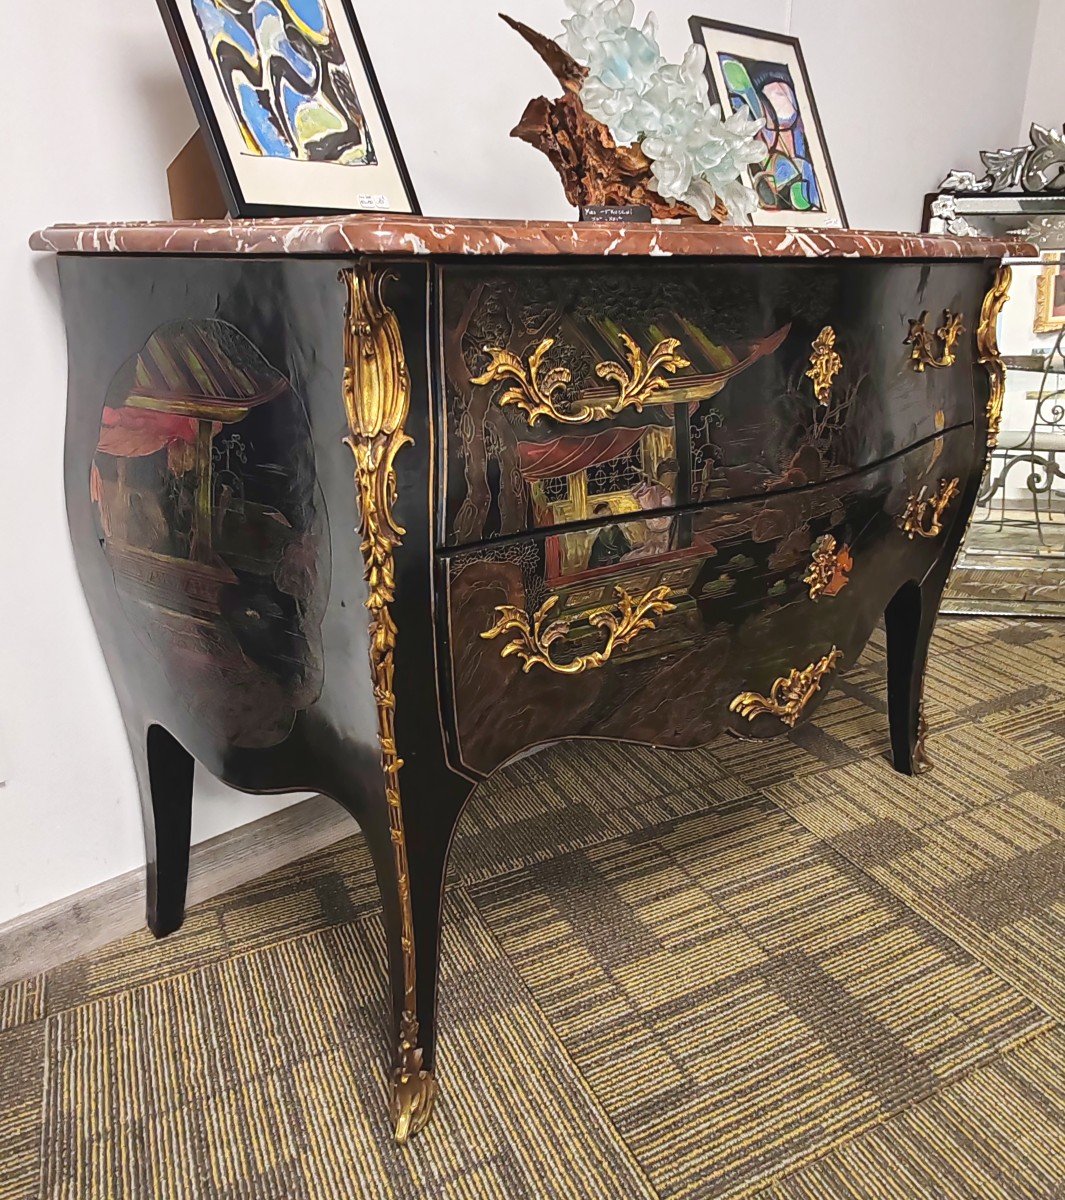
x=697 y=26
x=238 y=203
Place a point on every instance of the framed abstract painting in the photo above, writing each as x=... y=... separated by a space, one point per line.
x=766 y=73
x=289 y=106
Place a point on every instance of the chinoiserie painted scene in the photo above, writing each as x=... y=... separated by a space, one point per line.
x=213 y=523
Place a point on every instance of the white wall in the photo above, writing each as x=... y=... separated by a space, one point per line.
x=906 y=89
x=1044 y=99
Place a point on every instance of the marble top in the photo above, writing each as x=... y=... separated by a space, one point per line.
x=403 y=235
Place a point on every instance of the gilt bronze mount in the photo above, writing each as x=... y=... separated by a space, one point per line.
x=923 y=515
x=825 y=364
x=534 y=639
x=537 y=391
x=988 y=351
x=790 y=694
x=922 y=764
x=924 y=351
x=377 y=402
x=829 y=570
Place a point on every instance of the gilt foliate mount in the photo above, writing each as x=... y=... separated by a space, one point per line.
x=534 y=638
x=632 y=129
x=536 y=389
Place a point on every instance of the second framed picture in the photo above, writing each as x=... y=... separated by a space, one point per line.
x=289 y=106
x=1050 y=295
x=765 y=72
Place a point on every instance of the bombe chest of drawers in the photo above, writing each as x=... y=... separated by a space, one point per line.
x=647 y=483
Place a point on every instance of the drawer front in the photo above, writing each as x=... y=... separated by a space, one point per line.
x=653 y=643
x=573 y=393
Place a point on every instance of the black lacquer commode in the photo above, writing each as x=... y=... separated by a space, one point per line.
x=650 y=497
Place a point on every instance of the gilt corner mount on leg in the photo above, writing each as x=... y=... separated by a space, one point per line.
x=377 y=400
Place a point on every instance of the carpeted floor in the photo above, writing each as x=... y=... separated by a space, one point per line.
x=778 y=971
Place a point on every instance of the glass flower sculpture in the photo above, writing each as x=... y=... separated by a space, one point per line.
x=634 y=129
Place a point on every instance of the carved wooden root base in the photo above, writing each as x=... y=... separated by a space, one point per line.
x=593 y=168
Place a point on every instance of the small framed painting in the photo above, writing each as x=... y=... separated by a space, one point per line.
x=289 y=106
x=1050 y=295
x=765 y=72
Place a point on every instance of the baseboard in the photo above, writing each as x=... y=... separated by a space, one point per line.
x=46 y=937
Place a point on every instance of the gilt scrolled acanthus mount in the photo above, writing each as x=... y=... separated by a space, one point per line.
x=636 y=378
x=539 y=391
x=790 y=694
x=924 y=513
x=988 y=351
x=825 y=364
x=924 y=352
x=534 y=638
x=377 y=402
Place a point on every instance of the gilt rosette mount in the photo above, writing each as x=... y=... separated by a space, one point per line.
x=830 y=567
x=631 y=129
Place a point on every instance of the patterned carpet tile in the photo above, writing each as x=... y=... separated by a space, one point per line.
x=22 y=1066
x=973 y=675
x=1038 y=728
x=997 y=1134
x=565 y=797
x=138 y=958
x=263 y=1076
x=776 y=969
x=22 y=1002
x=973 y=846
x=845 y=730
x=730 y=973
x=335 y=886
x=577 y=794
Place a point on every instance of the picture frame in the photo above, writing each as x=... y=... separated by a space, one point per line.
x=1050 y=295
x=311 y=134
x=767 y=72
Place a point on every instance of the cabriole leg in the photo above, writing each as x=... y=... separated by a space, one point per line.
x=414 y=1084
x=411 y=871
x=909 y=619
x=164 y=775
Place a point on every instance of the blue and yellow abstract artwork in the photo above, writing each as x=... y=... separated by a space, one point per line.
x=286 y=79
x=786 y=180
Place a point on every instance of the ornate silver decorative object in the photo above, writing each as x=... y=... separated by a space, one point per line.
x=946 y=210
x=1037 y=167
x=1046 y=232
